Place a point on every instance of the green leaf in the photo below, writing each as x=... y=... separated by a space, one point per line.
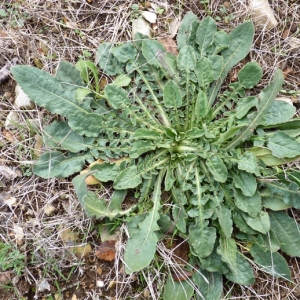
x=179 y=217
x=99 y=207
x=202 y=239
x=266 y=96
x=290 y=194
x=245 y=182
x=240 y=41
x=186 y=60
x=55 y=164
x=69 y=76
x=88 y=124
x=204 y=72
x=244 y=105
x=172 y=95
x=275 y=203
x=271 y=263
x=209 y=284
x=47 y=91
x=261 y=223
x=220 y=42
x=250 y=205
x=282 y=145
x=228 y=251
x=141 y=247
x=205 y=34
x=279 y=112
x=241 y=224
x=150 y=50
x=184 y=29
x=173 y=290
x=225 y=221
x=128 y=179
x=217 y=64
x=116 y=96
x=217 y=168
x=124 y=53
x=61 y=135
x=244 y=273
x=86 y=67
x=122 y=80
x=107 y=61
x=201 y=108
x=147 y=134
x=250 y=75
x=140 y=147
x=249 y=163
x=105 y=172
x=286 y=229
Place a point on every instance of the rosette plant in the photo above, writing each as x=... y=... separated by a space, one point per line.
x=169 y=124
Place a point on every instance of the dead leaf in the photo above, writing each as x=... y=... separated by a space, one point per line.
x=174 y=26
x=286 y=33
x=169 y=44
x=103 y=83
x=69 y=237
x=38 y=63
x=81 y=251
x=233 y=75
x=106 y=251
x=287 y=71
x=181 y=275
x=10 y=136
x=37 y=145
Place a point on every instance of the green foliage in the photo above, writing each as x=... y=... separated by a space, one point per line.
x=211 y=151
x=11 y=259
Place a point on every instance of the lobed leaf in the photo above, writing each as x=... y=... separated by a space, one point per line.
x=47 y=91
x=56 y=164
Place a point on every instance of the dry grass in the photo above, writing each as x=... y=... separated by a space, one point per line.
x=42 y=33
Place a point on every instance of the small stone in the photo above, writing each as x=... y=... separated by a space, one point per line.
x=22 y=100
x=19 y=234
x=12 y=120
x=100 y=283
x=142 y=26
x=149 y=16
x=146 y=293
x=49 y=209
x=262 y=14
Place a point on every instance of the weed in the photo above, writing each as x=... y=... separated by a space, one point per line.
x=11 y=259
x=163 y=125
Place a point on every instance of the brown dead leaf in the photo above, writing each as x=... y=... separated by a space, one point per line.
x=106 y=251
x=287 y=71
x=37 y=145
x=169 y=44
x=286 y=33
x=233 y=75
x=103 y=82
x=181 y=275
x=10 y=136
x=81 y=251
